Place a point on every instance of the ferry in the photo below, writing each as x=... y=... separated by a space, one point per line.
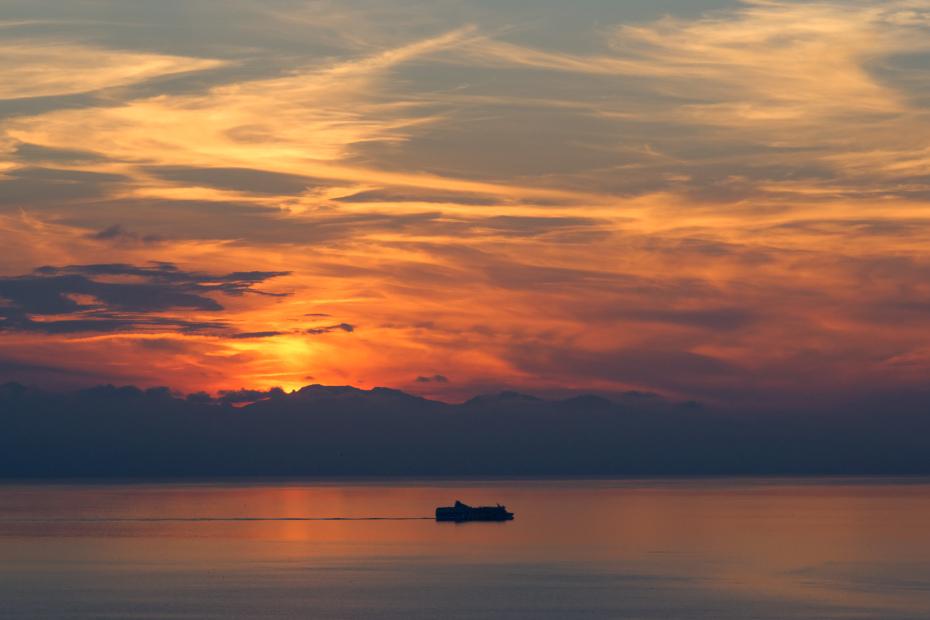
x=463 y=512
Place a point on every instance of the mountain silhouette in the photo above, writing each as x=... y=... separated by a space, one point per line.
x=125 y=432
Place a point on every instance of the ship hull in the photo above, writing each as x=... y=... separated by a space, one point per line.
x=473 y=514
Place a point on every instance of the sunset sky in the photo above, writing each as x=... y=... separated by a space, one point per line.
x=710 y=200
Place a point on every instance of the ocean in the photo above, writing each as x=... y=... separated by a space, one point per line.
x=713 y=549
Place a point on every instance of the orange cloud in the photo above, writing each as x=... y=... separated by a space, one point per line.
x=730 y=207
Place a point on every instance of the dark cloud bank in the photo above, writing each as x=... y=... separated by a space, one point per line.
x=87 y=301
x=343 y=431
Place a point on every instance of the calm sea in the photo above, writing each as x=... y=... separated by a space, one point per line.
x=644 y=549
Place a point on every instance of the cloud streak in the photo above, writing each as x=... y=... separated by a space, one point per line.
x=117 y=297
x=49 y=69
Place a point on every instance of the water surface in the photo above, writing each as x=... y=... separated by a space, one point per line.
x=644 y=549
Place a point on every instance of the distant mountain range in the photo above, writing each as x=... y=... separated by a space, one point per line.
x=127 y=432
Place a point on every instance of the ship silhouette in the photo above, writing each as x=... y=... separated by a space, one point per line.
x=464 y=512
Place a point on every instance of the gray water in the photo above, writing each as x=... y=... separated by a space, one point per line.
x=715 y=549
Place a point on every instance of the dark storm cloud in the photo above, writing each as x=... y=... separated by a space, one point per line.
x=92 y=301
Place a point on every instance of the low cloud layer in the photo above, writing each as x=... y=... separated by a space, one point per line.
x=125 y=431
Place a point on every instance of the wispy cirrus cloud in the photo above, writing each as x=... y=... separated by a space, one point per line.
x=798 y=91
x=43 y=68
x=768 y=60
